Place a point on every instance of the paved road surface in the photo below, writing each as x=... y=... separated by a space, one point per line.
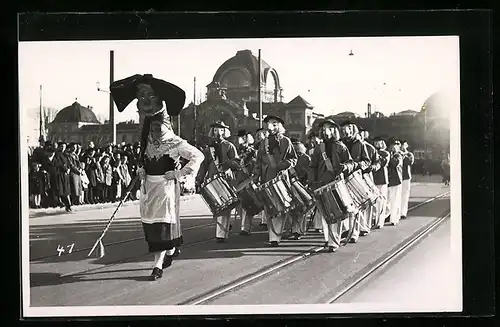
x=421 y=280
x=120 y=278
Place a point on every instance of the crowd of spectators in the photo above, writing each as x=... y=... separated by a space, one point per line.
x=62 y=175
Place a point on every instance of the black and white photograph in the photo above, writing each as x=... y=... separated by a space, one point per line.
x=240 y=176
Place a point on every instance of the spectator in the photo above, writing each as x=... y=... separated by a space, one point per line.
x=37 y=184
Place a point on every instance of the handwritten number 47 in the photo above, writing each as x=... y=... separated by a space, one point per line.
x=61 y=250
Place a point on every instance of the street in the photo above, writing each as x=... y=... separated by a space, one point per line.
x=121 y=276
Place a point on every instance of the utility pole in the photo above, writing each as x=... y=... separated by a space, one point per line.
x=194 y=111
x=111 y=104
x=259 y=96
x=42 y=132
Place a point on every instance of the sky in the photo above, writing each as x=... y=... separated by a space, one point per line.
x=318 y=69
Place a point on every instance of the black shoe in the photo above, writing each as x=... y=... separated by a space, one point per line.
x=345 y=234
x=326 y=244
x=331 y=249
x=156 y=274
x=244 y=233
x=295 y=236
x=167 y=261
x=220 y=240
x=403 y=217
x=176 y=253
x=363 y=233
x=353 y=240
x=230 y=227
x=392 y=224
x=263 y=226
x=274 y=244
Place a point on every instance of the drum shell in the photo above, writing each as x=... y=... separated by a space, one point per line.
x=334 y=201
x=219 y=194
x=360 y=192
x=305 y=197
x=277 y=197
x=250 y=202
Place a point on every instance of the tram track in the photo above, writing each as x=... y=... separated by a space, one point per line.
x=233 y=285
x=386 y=261
x=247 y=280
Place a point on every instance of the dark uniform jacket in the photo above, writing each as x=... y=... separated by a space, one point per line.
x=301 y=169
x=374 y=158
x=281 y=149
x=248 y=156
x=380 y=176
x=227 y=157
x=339 y=156
x=359 y=155
x=408 y=161
x=395 y=169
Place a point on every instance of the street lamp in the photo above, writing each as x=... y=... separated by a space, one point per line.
x=98 y=84
x=351 y=54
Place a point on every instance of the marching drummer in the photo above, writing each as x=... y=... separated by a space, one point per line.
x=408 y=161
x=395 y=169
x=375 y=165
x=275 y=156
x=260 y=135
x=247 y=155
x=161 y=151
x=330 y=159
x=381 y=179
x=313 y=141
x=362 y=161
x=220 y=156
x=301 y=169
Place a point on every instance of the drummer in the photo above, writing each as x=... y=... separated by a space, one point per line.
x=260 y=135
x=247 y=155
x=362 y=161
x=313 y=141
x=299 y=221
x=327 y=163
x=220 y=156
x=381 y=179
x=275 y=155
x=395 y=169
x=375 y=165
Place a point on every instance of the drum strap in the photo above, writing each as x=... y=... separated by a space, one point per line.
x=270 y=157
x=327 y=161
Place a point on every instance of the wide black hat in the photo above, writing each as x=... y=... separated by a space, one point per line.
x=124 y=92
x=219 y=124
x=269 y=117
x=329 y=122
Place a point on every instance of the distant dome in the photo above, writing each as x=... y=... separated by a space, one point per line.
x=242 y=70
x=76 y=113
x=407 y=113
x=346 y=114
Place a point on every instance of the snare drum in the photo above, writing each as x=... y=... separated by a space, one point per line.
x=277 y=197
x=334 y=201
x=218 y=194
x=305 y=197
x=247 y=193
x=361 y=193
x=374 y=190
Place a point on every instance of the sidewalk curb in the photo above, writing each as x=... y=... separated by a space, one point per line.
x=49 y=212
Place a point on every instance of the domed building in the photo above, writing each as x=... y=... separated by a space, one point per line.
x=77 y=123
x=232 y=97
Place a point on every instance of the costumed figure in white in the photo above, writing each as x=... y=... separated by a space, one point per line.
x=160 y=154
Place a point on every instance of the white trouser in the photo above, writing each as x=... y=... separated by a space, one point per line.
x=332 y=233
x=246 y=221
x=278 y=224
x=365 y=220
x=405 y=196
x=317 y=220
x=349 y=222
x=263 y=218
x=395 y=203
x=222 y=228
x=299 y=223
x=381 y=206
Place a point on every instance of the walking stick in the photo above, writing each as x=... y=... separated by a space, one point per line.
x=99 y=240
